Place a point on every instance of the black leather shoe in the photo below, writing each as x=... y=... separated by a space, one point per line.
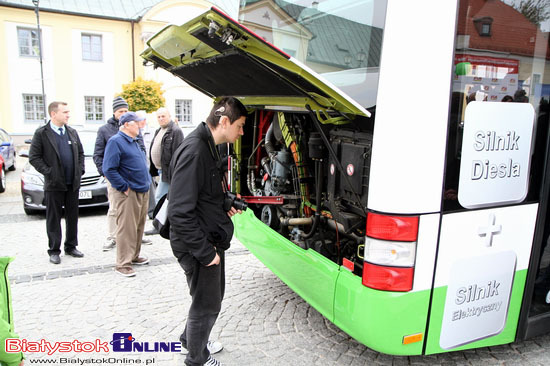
x=75 y=253
x=55 y=259
x=153 y=231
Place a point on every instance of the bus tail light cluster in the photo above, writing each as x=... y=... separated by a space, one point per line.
x=390 y=252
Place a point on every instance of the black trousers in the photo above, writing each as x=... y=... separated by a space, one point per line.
x=207 y=287
x=55 y=201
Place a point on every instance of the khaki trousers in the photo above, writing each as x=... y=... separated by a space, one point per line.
x=130 y=220
x=111 y=214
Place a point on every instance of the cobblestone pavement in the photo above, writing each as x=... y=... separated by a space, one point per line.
x=262 y=321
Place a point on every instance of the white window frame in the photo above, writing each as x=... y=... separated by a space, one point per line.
x=184 y=113
x=33 y=108
x=32 y=43
x=89 y=53
x=94 y=109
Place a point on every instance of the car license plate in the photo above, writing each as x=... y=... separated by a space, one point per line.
x=84 y=195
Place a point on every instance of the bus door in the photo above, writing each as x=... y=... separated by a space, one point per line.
x=484 y=248
x=535 y=312
x=492 y=220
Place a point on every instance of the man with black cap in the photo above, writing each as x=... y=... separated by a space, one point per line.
x=104 y=133
x=126 y=169
x=57 y=153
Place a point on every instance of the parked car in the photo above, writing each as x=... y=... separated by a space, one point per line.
x=2 y=175
x=7 y=149
x=7 y=157
x=93 y=187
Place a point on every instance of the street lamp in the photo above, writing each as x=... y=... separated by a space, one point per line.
x=37 y=11
x=361 y=55
x=347 y=59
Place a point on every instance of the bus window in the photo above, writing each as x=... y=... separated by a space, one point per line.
x=497 y=61
x=339 y=39
x=502 y=56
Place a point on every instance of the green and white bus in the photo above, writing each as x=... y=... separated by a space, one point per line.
x=390 y=182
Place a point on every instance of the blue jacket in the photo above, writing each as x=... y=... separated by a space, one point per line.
x=104 y=133
x=124 y=164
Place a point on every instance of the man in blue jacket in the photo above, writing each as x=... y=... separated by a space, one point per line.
x=104 y=133
x=125 y=167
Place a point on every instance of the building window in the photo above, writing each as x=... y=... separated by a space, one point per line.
x=290 y=52
x=94 y=109
x=483 y=26
x=184 y=111
x=33 y=105
x=91 y=47
x=27 y=39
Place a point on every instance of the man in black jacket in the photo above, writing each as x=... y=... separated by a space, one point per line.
x=57 y=153
x=201 y=229
x=165 y=141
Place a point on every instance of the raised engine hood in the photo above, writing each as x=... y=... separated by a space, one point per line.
x=221 y=57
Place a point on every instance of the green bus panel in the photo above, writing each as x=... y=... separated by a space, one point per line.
x=507 y=335
x=380 y=319
x=308 y=273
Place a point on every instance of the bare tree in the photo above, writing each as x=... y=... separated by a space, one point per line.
x=537 y=11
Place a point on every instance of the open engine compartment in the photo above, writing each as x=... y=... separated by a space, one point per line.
x=308 y=180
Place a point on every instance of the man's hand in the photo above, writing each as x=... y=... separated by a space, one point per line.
x=233 y=211
x=127 y=191
x=215 y=261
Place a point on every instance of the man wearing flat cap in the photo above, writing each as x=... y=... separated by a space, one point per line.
x=104 y=133
x=125 y=167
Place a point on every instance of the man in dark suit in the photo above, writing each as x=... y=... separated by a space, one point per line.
x=57 y=153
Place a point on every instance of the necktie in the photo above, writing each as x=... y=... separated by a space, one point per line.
x=60 y=131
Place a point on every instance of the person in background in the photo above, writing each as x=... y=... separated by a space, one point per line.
x=165 y=142
x=145 y=137
x=125 y=167
x=200 y=228
x=57 y=153
x=520 y=96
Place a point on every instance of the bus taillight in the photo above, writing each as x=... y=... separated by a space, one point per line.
x=398 y=228
x=390 y=252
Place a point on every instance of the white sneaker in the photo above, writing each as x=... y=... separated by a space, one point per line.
x=109 y=244
x=212 y=362
x=146 y=241
x=213 y=347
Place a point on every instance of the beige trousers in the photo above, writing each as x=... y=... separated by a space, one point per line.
x=130 y=220
x=111 y=214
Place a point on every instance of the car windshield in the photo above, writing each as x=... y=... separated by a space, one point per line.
x=339 y=39
x=87 y=138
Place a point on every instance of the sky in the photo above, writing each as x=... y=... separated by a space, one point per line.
x=348 y=11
